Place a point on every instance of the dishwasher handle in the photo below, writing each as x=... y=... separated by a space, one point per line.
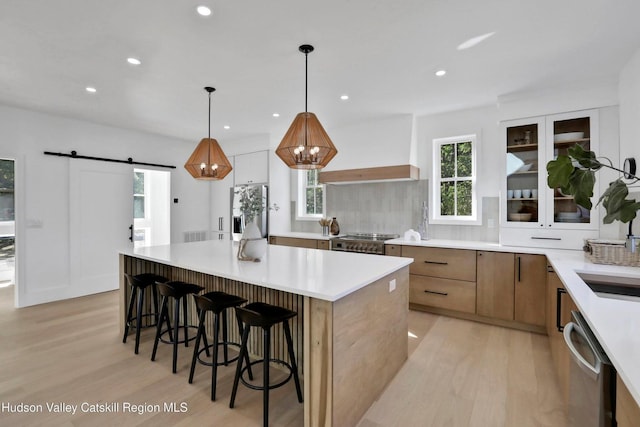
x=592 y=371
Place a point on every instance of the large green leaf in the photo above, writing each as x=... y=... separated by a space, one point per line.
x=581 y=183
x=586 y=159
x=559 y=171
x=615 y=202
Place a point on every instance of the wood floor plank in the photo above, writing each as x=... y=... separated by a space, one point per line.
x=459 y=373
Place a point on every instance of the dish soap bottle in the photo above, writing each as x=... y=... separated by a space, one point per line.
x=335 y=227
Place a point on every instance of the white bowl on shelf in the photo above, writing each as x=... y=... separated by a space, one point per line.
x=567 y=136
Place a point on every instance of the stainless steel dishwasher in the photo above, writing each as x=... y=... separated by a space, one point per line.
x=592 y=378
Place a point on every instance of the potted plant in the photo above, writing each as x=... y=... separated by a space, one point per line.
x=574 y=174
x=251 y=202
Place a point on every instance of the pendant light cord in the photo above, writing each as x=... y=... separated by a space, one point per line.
x=209 y=115
x=306 y=78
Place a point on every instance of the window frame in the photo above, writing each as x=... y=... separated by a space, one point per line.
x=301 y=201
x=435 y=216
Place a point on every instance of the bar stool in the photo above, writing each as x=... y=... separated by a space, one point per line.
x=138 y=284
x=259 y=314
x=216 y=302
x=178 y=291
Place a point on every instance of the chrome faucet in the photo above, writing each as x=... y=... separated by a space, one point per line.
x=633 y=242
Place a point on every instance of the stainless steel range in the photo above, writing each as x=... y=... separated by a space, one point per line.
x=368 y=243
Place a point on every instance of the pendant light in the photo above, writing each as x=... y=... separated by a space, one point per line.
x=306 y=145
x=208 y=161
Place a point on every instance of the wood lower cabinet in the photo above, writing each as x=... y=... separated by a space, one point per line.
x=442 y=278
x=299 y=242
x=627 y=410
x=393 y=250
x=530 y=287
x=495 y=285
x=512 y=287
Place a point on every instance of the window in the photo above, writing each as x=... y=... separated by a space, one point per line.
x=454 y=198
x=310 y=195
x=138 y=195
x=6 y=190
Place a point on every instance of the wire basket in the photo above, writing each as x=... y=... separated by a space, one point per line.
x=613 y=252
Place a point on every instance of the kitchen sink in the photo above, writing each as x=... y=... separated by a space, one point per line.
x=625 y=288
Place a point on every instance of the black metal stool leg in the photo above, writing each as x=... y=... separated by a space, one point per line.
x=265 y=369
x=241 y=356
x=185 y=317
x=129 y=313
x=201 y=331
x=294 y=366
x=154 y=290
x=176 y=325
x=246 y=353
x=163 y=313
x=225 y=347
x=139 y=316
x=214 y=364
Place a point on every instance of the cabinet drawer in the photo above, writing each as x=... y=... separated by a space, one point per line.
x=393 y=250
x=457 y=264
x=449 y=294
x=323 y=244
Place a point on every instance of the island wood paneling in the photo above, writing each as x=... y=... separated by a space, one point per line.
x=356 y=346
x=252 y=293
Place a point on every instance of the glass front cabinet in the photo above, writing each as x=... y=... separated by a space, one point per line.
x=531 y=214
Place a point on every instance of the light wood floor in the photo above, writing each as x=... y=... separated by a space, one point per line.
x=459 y=373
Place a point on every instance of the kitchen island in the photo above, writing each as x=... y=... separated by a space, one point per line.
x=350 y=334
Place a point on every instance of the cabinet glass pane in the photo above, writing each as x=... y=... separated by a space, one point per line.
x=567 y=133
x=522 y=173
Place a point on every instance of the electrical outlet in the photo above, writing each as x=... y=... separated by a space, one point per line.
x=392 y=285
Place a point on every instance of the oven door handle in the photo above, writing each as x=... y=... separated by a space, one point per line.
x=592 y=371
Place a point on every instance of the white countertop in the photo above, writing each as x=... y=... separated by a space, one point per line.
x=615 y=322
x=315 y=273
x=302 y=235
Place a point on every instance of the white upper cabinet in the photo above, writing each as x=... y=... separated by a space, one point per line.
x=221 y=204
x=252 y=168
x=531 y=214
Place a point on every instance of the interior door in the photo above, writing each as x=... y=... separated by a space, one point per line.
x=101 y=211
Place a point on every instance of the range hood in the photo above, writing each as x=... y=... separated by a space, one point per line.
x=376 y=174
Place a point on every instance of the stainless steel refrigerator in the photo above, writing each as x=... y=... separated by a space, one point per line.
x=248 y=201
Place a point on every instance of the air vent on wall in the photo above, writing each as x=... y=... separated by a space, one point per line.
x=194 y=236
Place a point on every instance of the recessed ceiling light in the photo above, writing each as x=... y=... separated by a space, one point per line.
x=134 y=61
x=441 y=73
x=474 y=41
x=204 y=10
x=90 y=89
x=344 y=97
x=276 y=114
x=227 y=127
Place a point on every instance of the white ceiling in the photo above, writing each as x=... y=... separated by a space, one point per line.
x=382 y=53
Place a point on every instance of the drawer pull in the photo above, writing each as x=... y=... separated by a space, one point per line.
x=437 y=262
x=444 y=294
x=546 y=238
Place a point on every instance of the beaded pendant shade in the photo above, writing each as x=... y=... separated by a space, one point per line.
x=306 y=144
x=208 y=161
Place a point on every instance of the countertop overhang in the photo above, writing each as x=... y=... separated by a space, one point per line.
x=314 y=273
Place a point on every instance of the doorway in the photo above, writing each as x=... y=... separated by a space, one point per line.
x=7 y=223
x=151 y=207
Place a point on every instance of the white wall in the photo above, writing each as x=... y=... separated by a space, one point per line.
x=629 y=93
x=383 y=142
x=42 y=188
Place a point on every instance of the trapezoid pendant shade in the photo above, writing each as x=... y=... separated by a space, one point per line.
x=208 y=161
x=306 y=145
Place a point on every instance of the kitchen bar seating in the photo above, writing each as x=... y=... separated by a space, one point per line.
x=177 y=291
x=265 y=316
x=217 y=303
x=138 y=285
